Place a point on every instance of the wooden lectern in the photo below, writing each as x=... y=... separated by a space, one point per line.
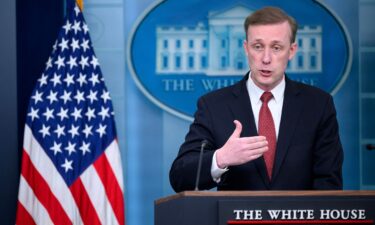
x=266 y=207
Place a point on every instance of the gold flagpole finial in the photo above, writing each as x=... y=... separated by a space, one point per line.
x=80 y=4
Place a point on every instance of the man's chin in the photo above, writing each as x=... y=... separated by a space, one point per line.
x=264 y=85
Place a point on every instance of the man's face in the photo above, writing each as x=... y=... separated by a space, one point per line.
x=268 y=51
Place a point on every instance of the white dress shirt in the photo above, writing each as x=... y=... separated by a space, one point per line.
x=275 y=105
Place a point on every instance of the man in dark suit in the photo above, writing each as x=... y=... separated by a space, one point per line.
x=266 y=132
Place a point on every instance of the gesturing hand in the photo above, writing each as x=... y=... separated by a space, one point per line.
x=239 y=150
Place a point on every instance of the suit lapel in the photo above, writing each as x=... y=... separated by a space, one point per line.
x=291 y=112
x=242 y=111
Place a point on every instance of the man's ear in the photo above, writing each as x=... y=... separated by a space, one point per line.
x=293 y=50
x=245 y=47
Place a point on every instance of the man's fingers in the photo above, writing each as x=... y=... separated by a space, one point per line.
x=237 y=131
x=256 y=156
x=256 y=145
x=253 y=139
x=256 y=153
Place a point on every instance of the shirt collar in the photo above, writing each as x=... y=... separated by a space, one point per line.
x=255 y=92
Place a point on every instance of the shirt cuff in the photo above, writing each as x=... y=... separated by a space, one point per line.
x=216 y=172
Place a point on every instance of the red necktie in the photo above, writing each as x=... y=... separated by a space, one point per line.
x=267 y=129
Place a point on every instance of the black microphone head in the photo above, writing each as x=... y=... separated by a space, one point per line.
x=204 y=143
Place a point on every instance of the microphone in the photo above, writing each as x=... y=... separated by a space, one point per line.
x=370 y=147
x=203 y=145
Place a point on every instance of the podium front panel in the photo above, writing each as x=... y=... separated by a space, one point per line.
x=226 y=208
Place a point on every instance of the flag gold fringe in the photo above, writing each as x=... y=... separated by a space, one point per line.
x=80 y=4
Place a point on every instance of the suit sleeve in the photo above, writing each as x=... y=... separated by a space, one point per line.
x=183 y=172
x=328 y=153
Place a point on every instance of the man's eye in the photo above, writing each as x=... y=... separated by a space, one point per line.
x=258 y=47
x=276 y=48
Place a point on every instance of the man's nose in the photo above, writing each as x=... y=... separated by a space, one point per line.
x=266 y=59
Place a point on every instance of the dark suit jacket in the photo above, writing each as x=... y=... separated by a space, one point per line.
x=308 y=154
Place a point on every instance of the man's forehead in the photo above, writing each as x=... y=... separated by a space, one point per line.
x=273 y=32
x=260 y=40
x=282 y=26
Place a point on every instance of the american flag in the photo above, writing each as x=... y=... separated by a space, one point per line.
x=71 y=166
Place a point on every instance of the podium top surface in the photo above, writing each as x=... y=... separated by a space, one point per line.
x=263 y=193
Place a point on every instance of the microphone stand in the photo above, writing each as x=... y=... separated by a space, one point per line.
x=203 y=145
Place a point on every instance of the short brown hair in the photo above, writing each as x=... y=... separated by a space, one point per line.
x=271 y=15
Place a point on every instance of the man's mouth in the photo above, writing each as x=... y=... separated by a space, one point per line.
x=265 y=72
